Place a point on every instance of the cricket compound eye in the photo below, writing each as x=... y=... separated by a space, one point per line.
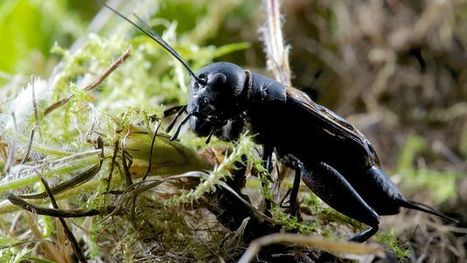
x=217 y=81
x=226 y=76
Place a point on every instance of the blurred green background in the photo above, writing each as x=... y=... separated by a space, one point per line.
x=29 y=29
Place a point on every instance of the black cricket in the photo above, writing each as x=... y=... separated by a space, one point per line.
x=333 y=158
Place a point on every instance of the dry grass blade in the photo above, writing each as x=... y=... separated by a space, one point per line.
x=11 y=153
x=309 y=241
x=50 y=211
x=113 y=164
x=34 y=106
x=74 y=243
x=73 y=182
x=277 y=53
x=151 y=150
x=134 y=190
x=28 y=149
x=255 y=210
x=126 y=161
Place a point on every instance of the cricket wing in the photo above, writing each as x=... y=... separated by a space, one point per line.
x=332 y=123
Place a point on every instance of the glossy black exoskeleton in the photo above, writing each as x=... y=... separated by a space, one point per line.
x=334 y=159
x=331 y=156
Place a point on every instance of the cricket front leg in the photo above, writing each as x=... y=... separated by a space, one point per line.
x=267 y=165
x=297 y=166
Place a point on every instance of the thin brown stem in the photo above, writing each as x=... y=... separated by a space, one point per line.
x=74 y=243
x=277 y=52
x=93 y=84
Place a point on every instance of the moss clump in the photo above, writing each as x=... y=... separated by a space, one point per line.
x=389 y=239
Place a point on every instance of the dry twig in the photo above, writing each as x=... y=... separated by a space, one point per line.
x=277 y=52
x=93 y=84
x=309 y=241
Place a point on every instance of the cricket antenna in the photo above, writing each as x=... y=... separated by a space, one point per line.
x=161 y=42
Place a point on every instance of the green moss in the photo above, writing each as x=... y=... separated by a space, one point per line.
x=14 y=254
x=332 y=215
x=290 y=223
x=313 y=202
x=389 y=239
x=208 y=183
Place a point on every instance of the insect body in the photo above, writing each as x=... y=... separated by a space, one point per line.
x=333 y=158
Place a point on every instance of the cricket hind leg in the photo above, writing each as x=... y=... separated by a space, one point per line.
x=331 y=187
